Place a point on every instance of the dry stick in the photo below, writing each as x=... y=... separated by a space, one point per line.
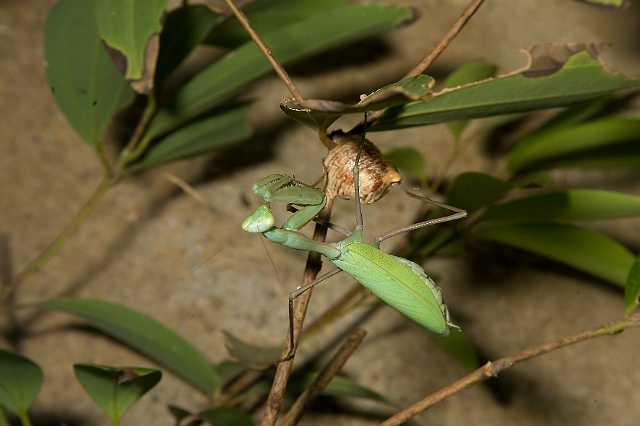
x=446 y=40
x=313 y=266
x=492 y=369
x=267 y=52
x=324 y=378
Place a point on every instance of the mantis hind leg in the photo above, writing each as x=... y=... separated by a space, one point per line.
x=457 y=214
x=292 y=297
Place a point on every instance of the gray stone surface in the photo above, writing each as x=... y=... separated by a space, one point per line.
x=196 y=271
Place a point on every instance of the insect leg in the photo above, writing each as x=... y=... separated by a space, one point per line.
x=457 y=214
x=293 y=296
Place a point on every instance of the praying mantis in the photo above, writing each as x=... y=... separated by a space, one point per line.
x=399 y=282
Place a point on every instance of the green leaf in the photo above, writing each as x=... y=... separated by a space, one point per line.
x=114 y=389
x=226 y=416
x=632 y=289
x=20 y=382
x=249 y=355
x=85 y=83
x=580 y=248
x=460 y=347
x=228 y=370
x=473 y=190
x=577 y=204
x=541 y=85
x=184 y=29
x=292 y=42
x=409 y=162
x=267 y=16
x=608 y=3
x=129 y=28
x=179 y=414
x=322 y=113
x=209 y=133
x=145 y=335
x=339 y=387
x=545 y=148
x=467 y=73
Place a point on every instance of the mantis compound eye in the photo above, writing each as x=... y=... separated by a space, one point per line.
x=261 y=220
x=376 y=175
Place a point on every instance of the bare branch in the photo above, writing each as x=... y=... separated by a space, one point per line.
x=446 y=39
x=313 y=266
x=492 y=369
x=267 y=52
x=325 y=376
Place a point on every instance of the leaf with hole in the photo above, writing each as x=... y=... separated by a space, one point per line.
x=20 y=382
x=558 y=75
x=467 y=73
x=570 y=205
x=583 y=249
x=289 y=43
x=322 y=113
x=85 y=83
x=132 y=30
x=143 y=334
x=632 y=289
x=115 y=389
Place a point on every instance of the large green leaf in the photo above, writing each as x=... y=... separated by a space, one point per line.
x=20 y=382
x=473 y=190
x=580 y=248
x=292 y=42
x=113 y=389
x=467 y=73
x=129 y=26
x=540 y=86
x=84 y=81
x=545 y=148
x=145 y=335
x=577 y=204
x=632 y=289
x=205 y=135
x=267 y=16
x=322 y=113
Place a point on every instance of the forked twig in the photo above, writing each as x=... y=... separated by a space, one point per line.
x=275 y=399
x=493 y=368
x=267 y=52
x=325 y=376
x=446 y=39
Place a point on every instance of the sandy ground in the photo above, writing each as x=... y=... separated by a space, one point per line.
x=157 y=251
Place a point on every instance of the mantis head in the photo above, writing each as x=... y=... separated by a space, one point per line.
x=261 y=220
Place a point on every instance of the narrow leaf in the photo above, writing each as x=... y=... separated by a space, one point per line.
x=289 y=43
x=580 y=248
x=250 y=355
x=210 y=133
x=115 y=390
x=322 y=113
x=467 y=73
x=409 y=162
x=145 y=335
x=608 y=3
x=20 y=382
x=84 y=81
x=339 y=387
x=267 y=16
x=132 y=29
x=557 y=76
x=632 y=289
x=543 y=149
x=473 y=190
x=460 y=347
x=577 y=204
x=179 y=414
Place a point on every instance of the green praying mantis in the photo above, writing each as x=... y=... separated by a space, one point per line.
x=399 y=282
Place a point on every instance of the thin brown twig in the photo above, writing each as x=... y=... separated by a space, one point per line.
x=275 y=399
x=446 y=39
x=492 y=369
x=267 y=52
x=325 y=376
